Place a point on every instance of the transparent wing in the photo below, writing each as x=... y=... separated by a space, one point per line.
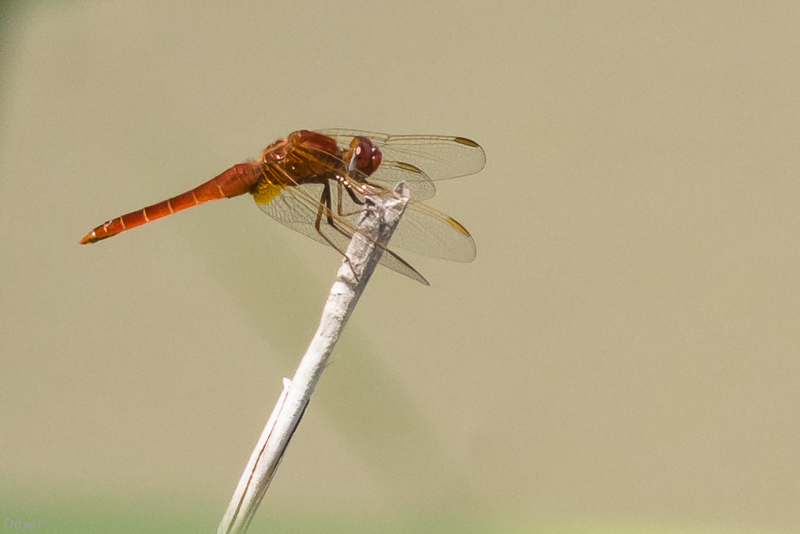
x=390 y=173
x=297 y=207
x=430 y=232
x=422 y=230
x=439 y=157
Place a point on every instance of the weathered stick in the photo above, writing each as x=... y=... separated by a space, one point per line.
x=380 y=218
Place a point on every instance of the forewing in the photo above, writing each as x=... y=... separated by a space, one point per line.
x=439 y=157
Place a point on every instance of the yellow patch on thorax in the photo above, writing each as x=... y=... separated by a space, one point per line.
x=266 y=192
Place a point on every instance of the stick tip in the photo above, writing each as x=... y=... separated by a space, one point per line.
x=402 y=189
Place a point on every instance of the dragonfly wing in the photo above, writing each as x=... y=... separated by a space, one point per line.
x=391 y=173
x=430 y=232
x=297 y=207
x=439 y=156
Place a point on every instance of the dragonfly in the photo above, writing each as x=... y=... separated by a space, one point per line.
x=315 y=182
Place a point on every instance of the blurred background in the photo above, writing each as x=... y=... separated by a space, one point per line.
x=621 y=357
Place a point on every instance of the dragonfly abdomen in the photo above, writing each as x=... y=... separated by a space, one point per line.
x=237 y=180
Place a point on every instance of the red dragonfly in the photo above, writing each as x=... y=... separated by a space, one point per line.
x=315 y=182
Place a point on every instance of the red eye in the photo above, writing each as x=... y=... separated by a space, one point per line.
x=364 y=155
x=377 y=157
x=367 y=156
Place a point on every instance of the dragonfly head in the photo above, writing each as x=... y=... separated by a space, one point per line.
x=364 y=156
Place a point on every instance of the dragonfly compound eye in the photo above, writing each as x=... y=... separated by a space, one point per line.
x=367 y=156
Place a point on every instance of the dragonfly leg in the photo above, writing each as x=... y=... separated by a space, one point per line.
x=339 y=208
x=326 y=207
x=352 y=195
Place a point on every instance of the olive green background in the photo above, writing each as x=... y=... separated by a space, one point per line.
x=622 y=355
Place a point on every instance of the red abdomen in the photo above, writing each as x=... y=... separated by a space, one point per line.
x=237 y=180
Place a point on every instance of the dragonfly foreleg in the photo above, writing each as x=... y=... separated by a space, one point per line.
x=339 y=208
